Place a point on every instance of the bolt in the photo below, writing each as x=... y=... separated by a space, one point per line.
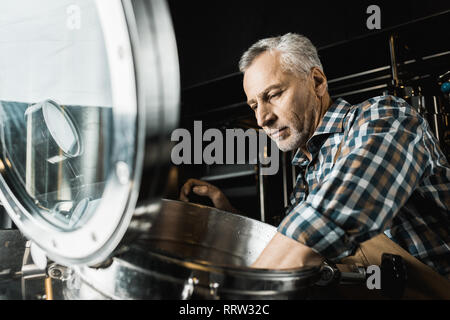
x=122 y=172
x=55 y=273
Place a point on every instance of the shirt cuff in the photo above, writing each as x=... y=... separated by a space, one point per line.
x=308 y=226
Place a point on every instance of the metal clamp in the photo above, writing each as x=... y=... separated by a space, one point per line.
x=59 y=272
x=189 y=287
x=213 y=287
x=328 y=274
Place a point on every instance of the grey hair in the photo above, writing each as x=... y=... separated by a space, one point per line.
x=298 y=54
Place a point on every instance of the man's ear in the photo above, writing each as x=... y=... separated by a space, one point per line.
x=320 y=81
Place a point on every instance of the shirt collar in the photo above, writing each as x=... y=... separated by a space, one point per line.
x=332 y=122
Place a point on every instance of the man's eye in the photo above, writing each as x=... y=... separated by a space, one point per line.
x=275 y=95
x=254 y=107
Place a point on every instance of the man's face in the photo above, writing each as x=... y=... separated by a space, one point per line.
x=285 y=104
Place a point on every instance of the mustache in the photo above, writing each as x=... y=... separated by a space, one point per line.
x=272 y=131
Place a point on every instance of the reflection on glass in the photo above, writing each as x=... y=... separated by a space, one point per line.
x=56 y=120
x=61 y=128
x=49 y=123
x=60 y=170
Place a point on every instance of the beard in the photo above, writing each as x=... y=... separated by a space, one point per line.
x=291 y=142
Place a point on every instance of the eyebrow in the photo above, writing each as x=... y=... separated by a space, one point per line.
x=266 y=91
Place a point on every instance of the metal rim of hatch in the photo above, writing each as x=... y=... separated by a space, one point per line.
x=145 y=86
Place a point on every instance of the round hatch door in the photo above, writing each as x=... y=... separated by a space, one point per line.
x=74 y=121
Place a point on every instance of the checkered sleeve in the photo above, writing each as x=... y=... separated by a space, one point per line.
x=381 y=162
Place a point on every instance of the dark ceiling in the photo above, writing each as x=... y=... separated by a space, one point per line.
x=211 y=35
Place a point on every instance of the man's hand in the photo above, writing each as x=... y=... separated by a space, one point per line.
x=285 y=253
x=206 y=189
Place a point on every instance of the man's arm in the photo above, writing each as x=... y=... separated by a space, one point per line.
x=285 y=253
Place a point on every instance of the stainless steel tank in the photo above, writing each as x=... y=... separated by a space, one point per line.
x=89 y=95
x=188 y=251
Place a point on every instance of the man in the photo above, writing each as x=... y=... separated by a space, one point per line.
x=366 y=170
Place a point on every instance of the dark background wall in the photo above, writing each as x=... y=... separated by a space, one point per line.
x=211 y=35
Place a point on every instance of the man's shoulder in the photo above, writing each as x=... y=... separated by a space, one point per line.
x=382 y=107
x=384 y=101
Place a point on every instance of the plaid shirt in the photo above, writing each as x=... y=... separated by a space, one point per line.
x=390 y=176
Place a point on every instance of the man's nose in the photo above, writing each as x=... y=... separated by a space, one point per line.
x=264 y=116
